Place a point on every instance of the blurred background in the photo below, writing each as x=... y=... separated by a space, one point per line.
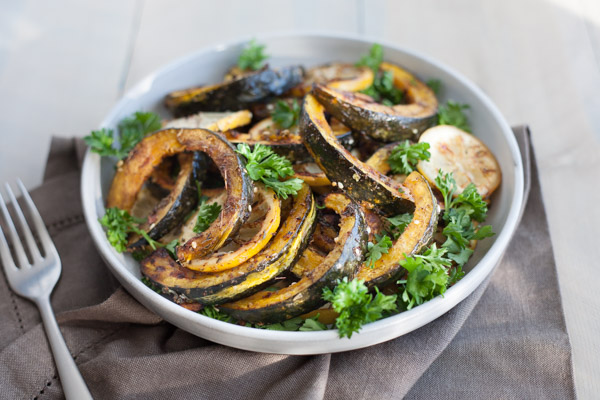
x=64 y=64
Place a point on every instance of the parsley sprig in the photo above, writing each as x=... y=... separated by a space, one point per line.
x=452 y=113
x=131 y=131
x=399 y=223
x=207 y=212
x=382 y=90
x=404 y=157
x=435 y=85
x=119 y=224
x=459 y=214
x=376 y=250
x=252 y=57
x=264 y=165
x=286 y=115
x=356 y=306
x=427 y=276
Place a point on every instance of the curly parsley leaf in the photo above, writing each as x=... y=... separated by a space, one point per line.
x=427 y=276
x=207 y=214
x=286 y=115
x=313 y=324
x=214 y=313
x=356 y=306
x=404 y=157
x=119 y=223
x=296 y=324
x=452 y=114
x=399 y=223
x=252 y=57
x=101 y=142
x=435 y=85
x=459 y=215
x=372 y=60
x=377 y=249
x=264 y=165
x=131 y=131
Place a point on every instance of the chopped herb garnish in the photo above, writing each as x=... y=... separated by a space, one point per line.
x=119 y=223
x=264 y=165
x=399 y=223
x=427 y=276
x=151 y=285
x=252 y=57
x=286 y=115
x=452 y=114
x=405 y=156
x=131 y=131
x=459 y=215
x=356 y=305
x=214 y=313
x=382 y=90
x=207 y=214
x=435 y=85
x=377 y=249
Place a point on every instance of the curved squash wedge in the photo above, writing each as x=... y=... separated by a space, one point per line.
x=311 y=174
x=249 y=277
x=236 y=94
x=238 y=185
x=149 y=153
x=339 y=76
x=173 y=208
x=358 y=180
x=388 y=124
x=305 y=295
x=214 y=121
x=266 y=214
x=416 y=235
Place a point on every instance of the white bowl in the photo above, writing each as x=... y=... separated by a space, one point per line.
x=208 y=66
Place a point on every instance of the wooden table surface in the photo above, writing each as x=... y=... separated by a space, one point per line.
x=64 y=63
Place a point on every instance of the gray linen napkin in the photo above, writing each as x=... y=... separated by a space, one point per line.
x=507 y=340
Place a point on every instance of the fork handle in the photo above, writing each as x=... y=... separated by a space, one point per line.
x=71 y=380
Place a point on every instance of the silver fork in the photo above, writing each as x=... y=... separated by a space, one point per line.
x=35 y=281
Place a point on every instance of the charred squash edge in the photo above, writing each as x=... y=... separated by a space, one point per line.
x=241 y=281
x=414 y=238
x=388 y=124
x=306 y=294
x=236 y=94
x=358 y=180
x=362 y=80
x=217 y=262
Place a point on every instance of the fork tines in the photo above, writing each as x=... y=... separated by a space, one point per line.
x=38 y=224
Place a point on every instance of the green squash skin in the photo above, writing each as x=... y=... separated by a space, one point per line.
x=181 y=204
x=240 y=93
x=351 y=253
x=191 y=287
x=358 y=180
x=380 y=126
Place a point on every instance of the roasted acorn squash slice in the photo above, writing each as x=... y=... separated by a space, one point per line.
x=147 y=154
x=385 y=123
x=345 y=171
x=305 y=295
x=247 y=278
x=338 y=76
x=214 y=121
x=236 y=94
x=414 y=238
x=258 y=230
x=173 y=208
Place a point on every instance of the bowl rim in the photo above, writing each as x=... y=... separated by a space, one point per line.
x=376 y=332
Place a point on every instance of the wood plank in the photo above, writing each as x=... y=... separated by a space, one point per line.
x=538 y=62
x=59 y=75
x=170 y=30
